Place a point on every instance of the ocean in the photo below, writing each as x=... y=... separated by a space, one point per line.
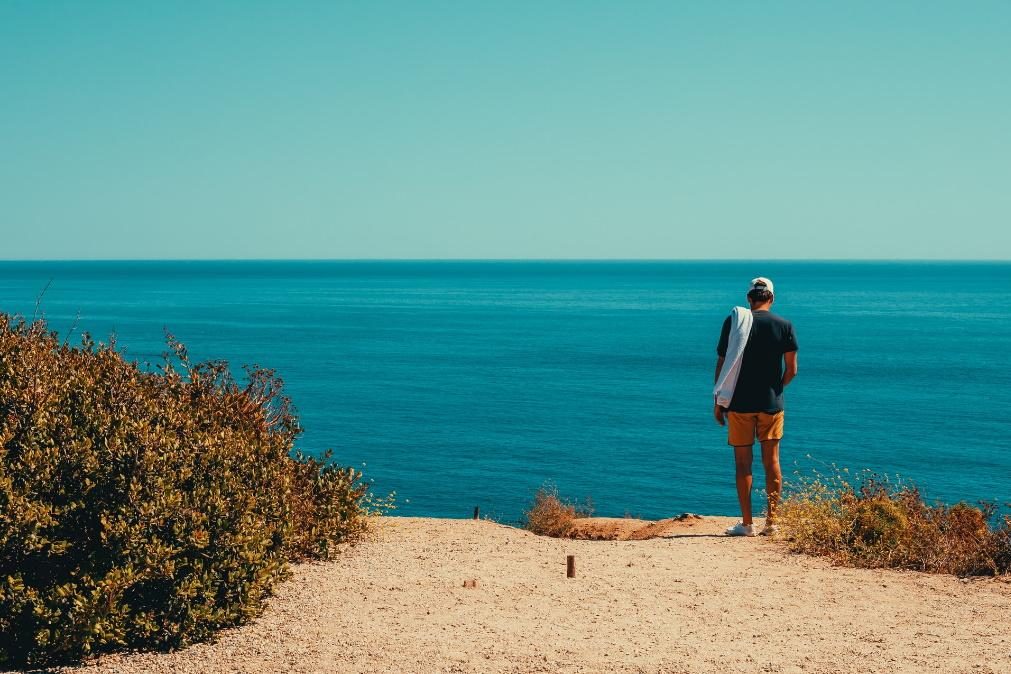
x=463 y=384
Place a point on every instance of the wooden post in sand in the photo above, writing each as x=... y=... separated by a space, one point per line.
x=570 y=566
x=477 y=512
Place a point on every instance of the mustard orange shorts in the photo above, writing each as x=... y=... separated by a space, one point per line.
x=744 y=427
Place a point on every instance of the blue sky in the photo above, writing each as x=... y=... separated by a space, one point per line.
x=505 y=130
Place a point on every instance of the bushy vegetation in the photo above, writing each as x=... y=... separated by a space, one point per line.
x=147 y=507
x=549 y=515
x=881 y=524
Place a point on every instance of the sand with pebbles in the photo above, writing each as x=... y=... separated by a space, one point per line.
x=689 y=600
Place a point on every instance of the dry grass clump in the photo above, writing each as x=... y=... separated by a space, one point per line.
x=146 y=508
x=879 y=524
x=550 y=515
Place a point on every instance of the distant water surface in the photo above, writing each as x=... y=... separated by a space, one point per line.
x=458 y=384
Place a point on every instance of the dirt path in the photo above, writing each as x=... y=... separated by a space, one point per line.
x=690 y=601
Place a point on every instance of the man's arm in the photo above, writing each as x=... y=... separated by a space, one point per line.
x=791 y=367
x=718 y=412
x=721 y=352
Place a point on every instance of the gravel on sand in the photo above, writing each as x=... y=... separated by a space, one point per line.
x=689 y=600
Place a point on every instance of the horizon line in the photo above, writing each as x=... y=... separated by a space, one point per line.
x=514 y=259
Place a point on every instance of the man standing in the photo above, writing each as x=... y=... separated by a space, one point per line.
x=756 y=408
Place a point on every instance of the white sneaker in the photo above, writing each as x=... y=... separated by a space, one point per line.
x=741 y=529
x=770 y=530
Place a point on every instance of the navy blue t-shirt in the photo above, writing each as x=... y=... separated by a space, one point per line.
x=760 y=383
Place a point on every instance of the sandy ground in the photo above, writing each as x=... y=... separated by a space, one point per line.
x=688 y=601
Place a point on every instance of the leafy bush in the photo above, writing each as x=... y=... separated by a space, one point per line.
x=549 y=515
x=146 y=508
x=879 y=524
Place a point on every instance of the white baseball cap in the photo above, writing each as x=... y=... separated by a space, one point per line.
x=761 y=283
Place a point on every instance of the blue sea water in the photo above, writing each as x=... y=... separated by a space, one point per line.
x=458 y=384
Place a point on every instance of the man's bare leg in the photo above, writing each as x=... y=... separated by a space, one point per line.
x=773 y=477
x=742 y=462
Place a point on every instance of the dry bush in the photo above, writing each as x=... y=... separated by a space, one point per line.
x=878 y=524
x=549 y=515
x=147 y=508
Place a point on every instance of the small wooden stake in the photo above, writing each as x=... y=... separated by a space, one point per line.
x=470 y=583
x=477 y=512
x=570 y=566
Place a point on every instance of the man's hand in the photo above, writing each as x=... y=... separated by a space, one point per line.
x=720 y=415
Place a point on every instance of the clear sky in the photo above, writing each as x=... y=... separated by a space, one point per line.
x=506 y=129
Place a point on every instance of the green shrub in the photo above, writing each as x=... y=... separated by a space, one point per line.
x=878 y=524
x=146 y=508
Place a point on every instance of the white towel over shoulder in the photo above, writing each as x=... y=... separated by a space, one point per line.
x=741 y=320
